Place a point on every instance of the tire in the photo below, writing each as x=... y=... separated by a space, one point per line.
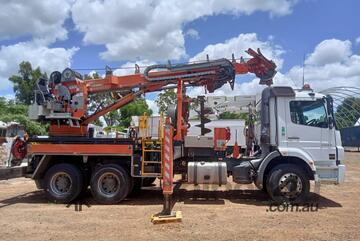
x=63 y=183
x=110 y=184
x=288 y=183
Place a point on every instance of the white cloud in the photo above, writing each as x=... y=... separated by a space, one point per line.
x=129 y=67
x=43 y=20
x=48 y=59
x=245 y=88
x=152 y=105
x=238 y=45
x=9 y=96
x=357 y=40
x=193 y=33
x=340 y=69
x=330 y=64
x=330 y=51
x=92 y=72
x=344 y=73
x=153 y=29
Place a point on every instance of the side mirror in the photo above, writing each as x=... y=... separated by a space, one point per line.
x=330 y=109
x=331 y=122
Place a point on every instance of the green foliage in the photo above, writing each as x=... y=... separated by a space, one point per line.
x=135 y=108
x=169 y=97
x=231 y=115
x=116 y=119
x=31 y=127
x=98 y=101
x=165 y=99
x=94 y=75
x=25 y=82
x=348 y=112
x=10 y=111
x=115 y=128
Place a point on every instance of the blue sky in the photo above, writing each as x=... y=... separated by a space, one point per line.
x=325 y=31
x=299 y=32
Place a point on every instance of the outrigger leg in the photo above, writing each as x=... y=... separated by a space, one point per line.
x=167 y=215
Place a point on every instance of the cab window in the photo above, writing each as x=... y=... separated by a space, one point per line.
x=309 y=113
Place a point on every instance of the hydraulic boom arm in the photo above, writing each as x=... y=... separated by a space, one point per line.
x=63 y=101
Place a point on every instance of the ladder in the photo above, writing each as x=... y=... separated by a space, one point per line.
x=152 y=157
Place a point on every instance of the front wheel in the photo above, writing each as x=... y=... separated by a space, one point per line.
x=110 y=184
x=288 y=183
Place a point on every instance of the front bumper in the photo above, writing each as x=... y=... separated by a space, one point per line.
x=330 y=175
x=341 y=174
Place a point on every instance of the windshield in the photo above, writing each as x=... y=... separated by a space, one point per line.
x=310 y=113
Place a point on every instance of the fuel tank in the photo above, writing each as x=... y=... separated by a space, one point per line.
x=207 y=173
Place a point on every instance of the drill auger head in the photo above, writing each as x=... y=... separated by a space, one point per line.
x=263 y=68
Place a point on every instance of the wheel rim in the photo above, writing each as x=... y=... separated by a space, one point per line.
x=109 y=184
x=290 y=185
x=61 y=183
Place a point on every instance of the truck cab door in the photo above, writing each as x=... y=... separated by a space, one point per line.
x=333 y=141
x=307 y=128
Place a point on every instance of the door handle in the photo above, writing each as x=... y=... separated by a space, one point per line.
x=293 y=138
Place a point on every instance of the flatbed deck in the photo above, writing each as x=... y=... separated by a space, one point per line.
x=81 y=140
x=80 y=146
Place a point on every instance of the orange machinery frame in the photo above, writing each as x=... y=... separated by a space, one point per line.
x=135 y=85
x=80 y=149
x=258 y=65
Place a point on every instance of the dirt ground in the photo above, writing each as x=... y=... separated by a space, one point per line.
x=225 y=214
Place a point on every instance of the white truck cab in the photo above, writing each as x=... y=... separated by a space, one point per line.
x=298 y=138
x=306 y=129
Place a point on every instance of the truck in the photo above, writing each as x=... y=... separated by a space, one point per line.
x=297 y=141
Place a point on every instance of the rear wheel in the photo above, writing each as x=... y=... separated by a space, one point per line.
x=288 y=183
x=63 y=183
x=110 y=184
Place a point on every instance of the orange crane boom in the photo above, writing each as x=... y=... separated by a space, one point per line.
x=68 y=94
x=201 y=74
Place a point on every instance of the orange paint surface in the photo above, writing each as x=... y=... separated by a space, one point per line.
x=78 y=149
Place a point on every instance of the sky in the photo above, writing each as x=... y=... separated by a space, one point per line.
x=87 y=35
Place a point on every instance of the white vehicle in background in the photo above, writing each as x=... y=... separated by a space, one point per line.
x=236 y=126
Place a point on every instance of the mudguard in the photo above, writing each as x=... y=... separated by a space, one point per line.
x=286 y=152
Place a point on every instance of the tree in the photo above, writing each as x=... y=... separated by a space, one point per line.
x=231 y=115
x=135 y=108
x=169 y=97
x=25 y=82
x=116 y=119
x=98 y=101
x=10 y=111
x=348 y=112
x=165 y=99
